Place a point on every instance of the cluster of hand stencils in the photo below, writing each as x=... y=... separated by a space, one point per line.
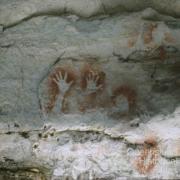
x=61 y=80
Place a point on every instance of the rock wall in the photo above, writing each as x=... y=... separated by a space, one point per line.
x=89 y=89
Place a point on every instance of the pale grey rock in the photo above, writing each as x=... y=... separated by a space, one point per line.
x=110 y=157
x=153 y=15
x=20 y=10
x=89 y=89
x=1 y=29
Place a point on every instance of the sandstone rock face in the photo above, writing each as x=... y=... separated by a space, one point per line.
x=89 y=89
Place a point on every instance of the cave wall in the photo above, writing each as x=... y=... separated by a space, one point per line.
x=89 y=89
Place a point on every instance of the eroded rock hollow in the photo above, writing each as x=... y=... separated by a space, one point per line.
x=89 y=89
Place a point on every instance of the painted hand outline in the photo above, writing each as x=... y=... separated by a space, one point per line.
x=63 y=87
x=92 y=80
x=62 y=83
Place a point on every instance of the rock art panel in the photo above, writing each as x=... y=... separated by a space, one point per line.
x=103 y=77
x=111 y=88
x=85 y=88
x=154 y=41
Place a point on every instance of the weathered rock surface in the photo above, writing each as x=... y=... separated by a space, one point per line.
x=89 y=89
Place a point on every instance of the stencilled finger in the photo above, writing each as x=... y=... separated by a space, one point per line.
x=57 y=77
x=60 y=75
x=65 y=76
x=89 y=76
x=87 y=79
x=93 y=74
x=96 y=78
x=55 y=80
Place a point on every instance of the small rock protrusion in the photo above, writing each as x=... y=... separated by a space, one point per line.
x=35 y=145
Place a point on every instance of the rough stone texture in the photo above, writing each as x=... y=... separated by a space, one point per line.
x=89 y=89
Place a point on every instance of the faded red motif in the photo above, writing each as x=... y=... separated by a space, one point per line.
x=128 y=92
x=148 y=157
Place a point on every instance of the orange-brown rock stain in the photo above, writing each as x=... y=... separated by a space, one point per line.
x=148 y=157
x=148 y=33
x=162 y=53
x=169 y=38
x=132 y=40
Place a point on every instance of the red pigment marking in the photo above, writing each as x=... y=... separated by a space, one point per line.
x=53 y=89
x=126 y=91
x=148 y=157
